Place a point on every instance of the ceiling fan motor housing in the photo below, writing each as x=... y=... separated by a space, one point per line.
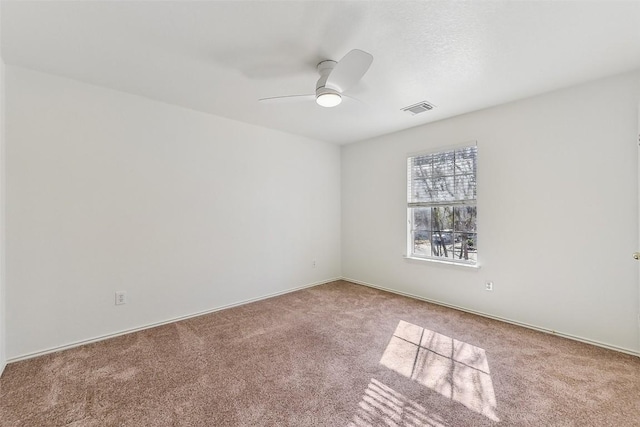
x=325 y=90
x=326 y=97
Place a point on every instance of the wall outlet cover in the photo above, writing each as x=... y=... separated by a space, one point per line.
x=121 y=297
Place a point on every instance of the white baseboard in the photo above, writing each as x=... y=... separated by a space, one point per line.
x=164 y=322
x=2 y=366
x=502 y=319
x=310 y=285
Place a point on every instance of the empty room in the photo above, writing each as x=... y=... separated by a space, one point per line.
x=319 y=213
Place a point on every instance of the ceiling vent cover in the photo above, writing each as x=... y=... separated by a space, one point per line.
x=418 y=108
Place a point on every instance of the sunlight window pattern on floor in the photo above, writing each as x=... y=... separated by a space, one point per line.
x=382 y=405
x=453 y=368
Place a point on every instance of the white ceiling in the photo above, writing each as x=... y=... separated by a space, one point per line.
x=220 y=57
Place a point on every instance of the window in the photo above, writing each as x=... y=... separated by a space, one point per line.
x=441 y=205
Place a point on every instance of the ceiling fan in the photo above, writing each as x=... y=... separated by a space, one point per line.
x=335 y=79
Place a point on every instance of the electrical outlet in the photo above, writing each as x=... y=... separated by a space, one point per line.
x=121 y=297
x=313 y=263
x=488 y=286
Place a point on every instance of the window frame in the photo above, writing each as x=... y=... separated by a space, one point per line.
x=410 y=254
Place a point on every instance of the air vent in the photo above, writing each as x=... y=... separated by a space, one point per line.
x=418 y=108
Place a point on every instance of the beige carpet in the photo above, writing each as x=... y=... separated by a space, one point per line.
x=333 y=355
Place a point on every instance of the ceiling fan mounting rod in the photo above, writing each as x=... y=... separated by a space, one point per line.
x=324 y=68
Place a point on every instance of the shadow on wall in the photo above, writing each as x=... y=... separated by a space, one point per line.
x=452 y=368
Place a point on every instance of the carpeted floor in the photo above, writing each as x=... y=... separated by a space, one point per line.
x=334 y=355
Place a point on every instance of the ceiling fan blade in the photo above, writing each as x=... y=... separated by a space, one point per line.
x=359 y=101
x=349 y=70
x=287 y=99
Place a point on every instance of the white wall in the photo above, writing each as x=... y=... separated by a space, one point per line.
x=185 y=211
x=557 y=212
x=3 y=333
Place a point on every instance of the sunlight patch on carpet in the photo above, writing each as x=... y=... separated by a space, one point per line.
x=453 y=368
x=382 y=405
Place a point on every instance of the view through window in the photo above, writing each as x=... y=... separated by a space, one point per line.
x=441 y=205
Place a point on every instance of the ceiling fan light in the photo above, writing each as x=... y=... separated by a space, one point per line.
x=328 y=99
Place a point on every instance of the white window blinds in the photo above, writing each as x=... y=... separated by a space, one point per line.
x=443 y=178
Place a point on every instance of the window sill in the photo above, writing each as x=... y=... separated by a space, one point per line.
x=444 y=263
